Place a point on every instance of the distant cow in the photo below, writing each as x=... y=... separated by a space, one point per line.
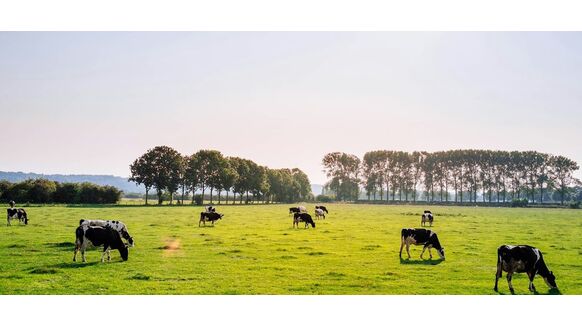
x=522 y=258
x=426 y=217
x=210 y=208
x=115 y=225
x=298 y=209
x=319 y=213
x=95 y=236
x=321 y=207
x=16 y=213
x=209 y=216
x=424 y=237
x=302 y=217
x=11 y=203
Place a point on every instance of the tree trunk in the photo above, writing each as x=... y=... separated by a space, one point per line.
x=147 y=191
x=183 y=190
x=203 y=190
x=219 y=192
x=160 y=193
x=211 y=190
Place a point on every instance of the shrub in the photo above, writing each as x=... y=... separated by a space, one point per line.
x=519 y=202
x=574 y=204
x=323 y=199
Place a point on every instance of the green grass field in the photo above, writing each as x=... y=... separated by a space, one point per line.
x=255 y=250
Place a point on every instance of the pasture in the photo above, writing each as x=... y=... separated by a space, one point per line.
x=255 y=250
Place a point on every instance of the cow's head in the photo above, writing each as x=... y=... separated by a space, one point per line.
x=127 y=237
x=551 y=280
x=441 y=253
x=124 y=252
x=220 y=216
x=11 y=203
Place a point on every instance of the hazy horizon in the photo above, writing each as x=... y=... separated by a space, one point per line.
x=90 y=103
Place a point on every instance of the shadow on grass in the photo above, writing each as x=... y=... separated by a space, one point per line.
x=67 y=244
x=421 y=262
x=73 y=265
x=553 y=291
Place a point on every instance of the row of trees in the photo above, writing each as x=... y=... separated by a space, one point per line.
x=492 y=176
x=164 y=169
x=43 y=191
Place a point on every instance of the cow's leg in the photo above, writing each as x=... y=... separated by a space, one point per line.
x=199 y=223
x=429 y=252
x=423 y=249
x=8 y=219
x=108 y=254
x=401 y=246
x=75 y=254
x=83 y=255
x=408 y=249
x=531 y=276
x=103 y=254
x=509 y=275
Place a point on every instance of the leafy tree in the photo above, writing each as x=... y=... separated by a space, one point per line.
x=343 y=169
x=562 y=170
x=142 y=172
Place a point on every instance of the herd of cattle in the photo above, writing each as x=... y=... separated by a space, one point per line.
x=111 y=235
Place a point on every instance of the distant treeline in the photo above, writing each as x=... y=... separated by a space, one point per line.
x=43 y=191
x=455 y=175
x=167 y=171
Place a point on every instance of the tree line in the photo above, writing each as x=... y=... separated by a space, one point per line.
x=43 y=191
x=164 y=170
x=455 y=175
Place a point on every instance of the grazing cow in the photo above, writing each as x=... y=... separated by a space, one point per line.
x=16 y=213
x=298 y=209
x=426 y=217
x=522 y=258
x=319 y=213
x=424 y=237
x=302 y=217
x=95 y=236
x=115 y=225
x=322 y=208
x=210 y=208
x=209 y=216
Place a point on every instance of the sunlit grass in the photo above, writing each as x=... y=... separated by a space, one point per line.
x=255 y=250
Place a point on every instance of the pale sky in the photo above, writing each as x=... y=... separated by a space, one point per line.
x=90 y=103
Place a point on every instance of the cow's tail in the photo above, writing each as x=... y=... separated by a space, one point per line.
x=79 y=237
x=500 y=254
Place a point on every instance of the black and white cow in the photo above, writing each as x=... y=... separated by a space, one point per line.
x=303 y=217
x=95 y=236
x=115 y=225
x=522 y=258
x=210 y=208
x=321 y=207
x=209 y=216
x=424 y=237
x=298 y=209
x=16 y=213
x=426 y=217
x=319 y=213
